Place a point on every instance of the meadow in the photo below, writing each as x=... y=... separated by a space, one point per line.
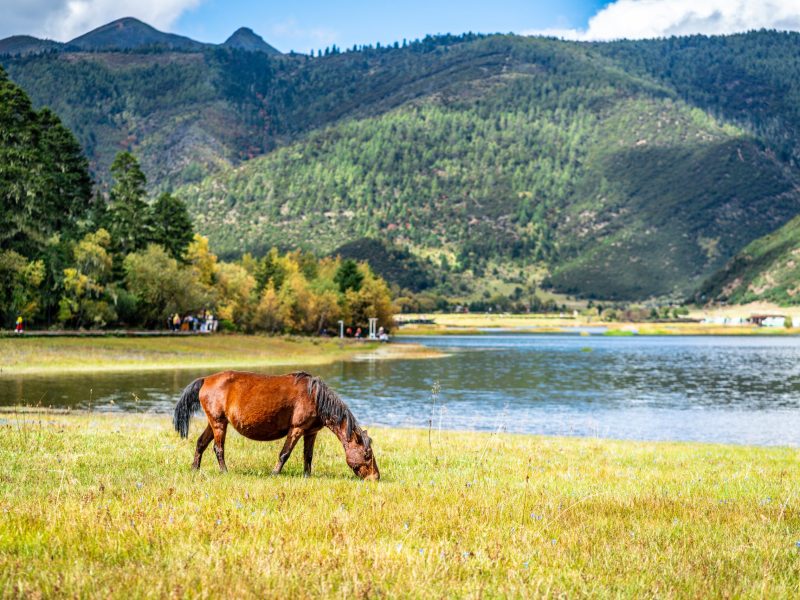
x=476 y=323
x=75 y=354
x=99 y=505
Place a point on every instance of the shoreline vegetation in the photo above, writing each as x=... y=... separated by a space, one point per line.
x=100 y=505
x=42 y=355
x=483 y=323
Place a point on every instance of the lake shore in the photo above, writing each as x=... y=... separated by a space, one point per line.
x=480 y=324
x=23 y=356
x=99 y=505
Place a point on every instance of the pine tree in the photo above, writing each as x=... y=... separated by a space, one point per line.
x=68 y=186
x=129 y=217
x=45 y=187
x=348 y=277
x=172 y=227
x=18 y=138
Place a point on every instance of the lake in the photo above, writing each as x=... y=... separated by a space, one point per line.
x=743 y=390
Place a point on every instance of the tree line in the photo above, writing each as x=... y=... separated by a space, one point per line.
x=71 y=257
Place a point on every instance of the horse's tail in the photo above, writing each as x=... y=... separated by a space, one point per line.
x=187 y=406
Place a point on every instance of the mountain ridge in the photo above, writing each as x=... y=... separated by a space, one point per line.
x=130 y=33
x=622 y=171
x=245 y=38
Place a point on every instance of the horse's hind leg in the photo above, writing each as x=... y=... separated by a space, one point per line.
x=219 y=428
x=202 y=443
x=308 y=453
x=292 y=438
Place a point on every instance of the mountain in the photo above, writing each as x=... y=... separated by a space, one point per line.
x=131 y=34
x=768 y=269
x=245 y=39
x=625 y=170
x=26 y=44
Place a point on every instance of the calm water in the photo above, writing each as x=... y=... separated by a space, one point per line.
x=740 y=390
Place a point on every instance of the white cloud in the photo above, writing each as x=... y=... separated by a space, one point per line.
x=293 y=33
x=638 y=19
x=64 y=20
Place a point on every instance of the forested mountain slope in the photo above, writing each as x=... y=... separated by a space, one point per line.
x=767 y=269
x=625 y=170
x=617 y=184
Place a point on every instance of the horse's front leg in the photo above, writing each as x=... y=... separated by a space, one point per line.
x=308 y=453
x=292 y=438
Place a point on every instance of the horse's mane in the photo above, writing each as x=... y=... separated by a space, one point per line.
x=330 y=408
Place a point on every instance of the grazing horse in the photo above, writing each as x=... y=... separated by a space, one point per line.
x=269 y=407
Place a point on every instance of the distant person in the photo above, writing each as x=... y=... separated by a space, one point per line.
x=349 y=332
x=18 y=328
x=176 y=322
x=358 y=333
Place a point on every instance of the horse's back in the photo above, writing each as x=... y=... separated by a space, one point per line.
x=262 y=407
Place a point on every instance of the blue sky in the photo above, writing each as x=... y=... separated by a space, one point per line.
x=316 y=23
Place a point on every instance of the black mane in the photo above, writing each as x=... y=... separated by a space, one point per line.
x=330 y=408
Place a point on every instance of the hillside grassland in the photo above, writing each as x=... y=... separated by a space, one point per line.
x=766 y=270
x=107 y=506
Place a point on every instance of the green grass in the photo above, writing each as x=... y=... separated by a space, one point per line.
x=107 y=506
x=33 y=355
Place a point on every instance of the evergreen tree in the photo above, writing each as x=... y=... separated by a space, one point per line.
x=18 y=137
x=172 y=227
x=66 y=180
x=129 y=217
x=45 y=187
x=348 y=277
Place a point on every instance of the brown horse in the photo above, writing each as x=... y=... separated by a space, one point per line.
x=266 y=408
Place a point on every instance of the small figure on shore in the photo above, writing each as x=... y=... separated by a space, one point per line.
x=19 y=328
x=349 y=332
x=211 y=323
x=382 y=335
x=358 y=333
x=176 y=322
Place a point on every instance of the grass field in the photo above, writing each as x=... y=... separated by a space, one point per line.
x=29 y=355
x=476 y=323
x=107 y=506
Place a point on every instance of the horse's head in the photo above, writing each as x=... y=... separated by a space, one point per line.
x=359 y=456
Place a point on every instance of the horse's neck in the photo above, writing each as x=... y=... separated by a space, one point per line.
x=340 y=431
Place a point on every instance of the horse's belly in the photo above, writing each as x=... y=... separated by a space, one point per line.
x=264 y=436
x=261 y=426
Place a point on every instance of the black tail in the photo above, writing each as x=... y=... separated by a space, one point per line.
x=187 y=406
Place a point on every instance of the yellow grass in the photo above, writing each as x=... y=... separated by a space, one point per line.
x=107 y=506
x=61 y=354
x=474 y=324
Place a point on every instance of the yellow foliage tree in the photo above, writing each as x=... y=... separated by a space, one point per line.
x=199 y=255
x=235 y=298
